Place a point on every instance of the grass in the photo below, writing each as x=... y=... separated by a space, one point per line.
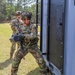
x=27 y=66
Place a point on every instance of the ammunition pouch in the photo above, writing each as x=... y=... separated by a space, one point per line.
x=33 y=41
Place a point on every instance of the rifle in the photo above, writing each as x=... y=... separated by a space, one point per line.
x=18 y=37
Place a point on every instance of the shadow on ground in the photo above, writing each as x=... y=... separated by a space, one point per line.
x=5 y=64
x=36 y=72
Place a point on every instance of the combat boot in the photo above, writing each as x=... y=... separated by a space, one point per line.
x=43 y=72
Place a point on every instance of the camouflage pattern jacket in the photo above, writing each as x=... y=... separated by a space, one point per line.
x=13 y=23
x=30 y=35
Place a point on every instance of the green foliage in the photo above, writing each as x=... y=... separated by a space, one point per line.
x=32 y=9
x=9 y=7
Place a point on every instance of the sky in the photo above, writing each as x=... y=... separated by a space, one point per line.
x=31 y=4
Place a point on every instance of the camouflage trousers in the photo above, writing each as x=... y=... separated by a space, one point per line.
x=13 y=47
x=35 y=51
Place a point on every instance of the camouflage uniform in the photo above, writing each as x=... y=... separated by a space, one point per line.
x=29 y=45
x=14 y=31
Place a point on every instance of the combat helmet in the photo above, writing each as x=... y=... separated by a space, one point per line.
x=26 y=15
x=18 y=13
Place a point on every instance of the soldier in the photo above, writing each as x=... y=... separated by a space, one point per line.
x=29 y=45
x=14 y=22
